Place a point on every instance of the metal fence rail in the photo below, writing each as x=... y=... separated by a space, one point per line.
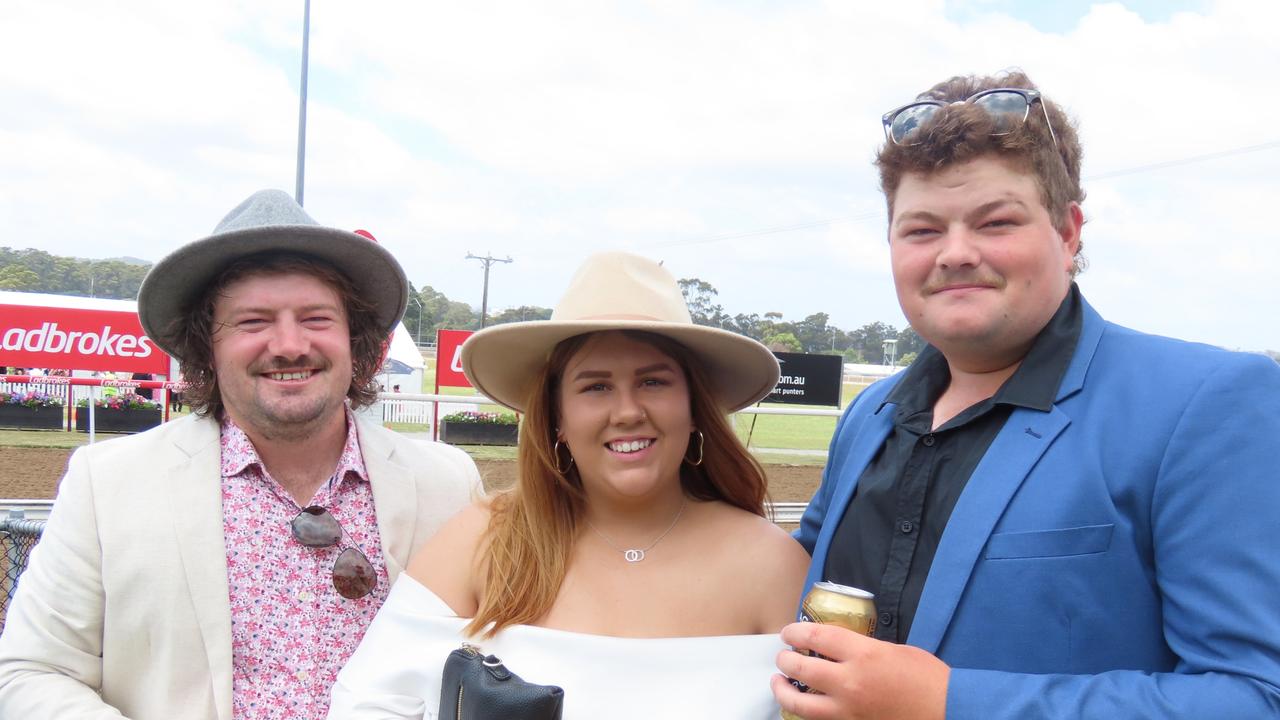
x=18 y=534
x=787 y=513
x=20 y=531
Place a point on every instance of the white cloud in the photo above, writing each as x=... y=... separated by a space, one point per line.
x=733 y=142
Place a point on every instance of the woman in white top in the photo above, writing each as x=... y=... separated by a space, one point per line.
x=632 y=564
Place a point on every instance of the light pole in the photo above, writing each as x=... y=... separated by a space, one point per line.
x=302 y=101
x=417 y=337
x=487 y=260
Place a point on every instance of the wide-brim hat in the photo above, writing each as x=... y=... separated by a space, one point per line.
x=269 y=220
x=617 y=291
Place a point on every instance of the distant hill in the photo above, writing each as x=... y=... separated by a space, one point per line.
x=126 y=260
x=31 y=270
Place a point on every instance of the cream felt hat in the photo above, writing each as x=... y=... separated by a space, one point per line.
x=269 y=220
x=617 y=291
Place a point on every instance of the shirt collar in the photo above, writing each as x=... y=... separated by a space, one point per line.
x=239 y=454
x=1033 y=385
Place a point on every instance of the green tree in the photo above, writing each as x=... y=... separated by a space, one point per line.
x=699 y=296
x=520 y=314
x=749 y=325
x=813 y=334
x=458 y=316
x=909 y=342
x=70 y=276
x=869 y=340
x=16 y=277
x=782 y=342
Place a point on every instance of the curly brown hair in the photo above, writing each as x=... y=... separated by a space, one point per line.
x=193 y=330
x=963 y=132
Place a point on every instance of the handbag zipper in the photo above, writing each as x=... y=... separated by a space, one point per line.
x=470 y=650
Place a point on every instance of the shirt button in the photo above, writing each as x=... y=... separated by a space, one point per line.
x=906 y=527
x=304 y=596
x=927 y=440
x=303 y=676
x=886 y=619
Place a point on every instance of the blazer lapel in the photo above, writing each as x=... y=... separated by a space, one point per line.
x=1016 y=449
x=195 y=495
x=395 y=499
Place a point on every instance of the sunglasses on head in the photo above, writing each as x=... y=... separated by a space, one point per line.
x=353 y=575
x=1008 y=107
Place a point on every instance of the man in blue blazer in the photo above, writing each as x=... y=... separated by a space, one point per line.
x=1060 y=517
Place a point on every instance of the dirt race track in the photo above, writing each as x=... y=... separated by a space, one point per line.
x=34 y=473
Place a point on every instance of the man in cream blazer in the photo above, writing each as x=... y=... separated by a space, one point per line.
x=170 y=581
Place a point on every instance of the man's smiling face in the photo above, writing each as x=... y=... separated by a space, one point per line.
x=979 y=264
x=282 y=354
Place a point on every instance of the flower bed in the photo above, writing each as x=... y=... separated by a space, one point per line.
x=126 y=413
x=477 y=428
x=31 y=410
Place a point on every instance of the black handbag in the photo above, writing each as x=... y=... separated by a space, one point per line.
x=476 y=686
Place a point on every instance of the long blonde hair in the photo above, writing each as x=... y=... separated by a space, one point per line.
x=532 y=527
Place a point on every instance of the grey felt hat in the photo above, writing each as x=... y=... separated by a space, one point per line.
x=617 y=291
x=269 y=220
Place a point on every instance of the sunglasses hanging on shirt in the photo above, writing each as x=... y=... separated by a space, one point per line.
x=353 y=574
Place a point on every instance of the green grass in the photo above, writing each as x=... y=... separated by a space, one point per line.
x=785 y=432
x=789 y=432
x=782 y=432
x=45 y=438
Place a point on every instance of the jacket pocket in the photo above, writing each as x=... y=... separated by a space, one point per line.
x=1062 y=542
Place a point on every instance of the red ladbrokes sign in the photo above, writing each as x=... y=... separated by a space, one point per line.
x=74 y=339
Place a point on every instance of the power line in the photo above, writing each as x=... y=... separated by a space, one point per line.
x=880 y=213
x=1185 y=161
x=771 y=230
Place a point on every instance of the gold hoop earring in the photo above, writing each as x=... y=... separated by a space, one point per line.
x=555 y=450
x=701 y=441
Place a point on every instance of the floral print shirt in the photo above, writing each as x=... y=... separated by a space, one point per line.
x=291 y=632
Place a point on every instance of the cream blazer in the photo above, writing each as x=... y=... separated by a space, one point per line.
x=123 y=609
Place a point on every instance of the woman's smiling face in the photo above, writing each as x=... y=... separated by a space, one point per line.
x=624 y=414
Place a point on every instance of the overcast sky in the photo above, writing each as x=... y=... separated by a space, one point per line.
x=731 y=139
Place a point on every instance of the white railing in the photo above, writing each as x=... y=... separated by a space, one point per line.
x=31 y=509
x=406 y=411
x=787 y=512
x=401 y=401
x=781 y=512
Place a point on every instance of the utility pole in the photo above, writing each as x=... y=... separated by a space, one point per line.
x=488 y=261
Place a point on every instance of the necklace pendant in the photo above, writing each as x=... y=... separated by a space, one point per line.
x=633 y=555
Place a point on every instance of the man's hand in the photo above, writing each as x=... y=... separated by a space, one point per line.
x=865 y=677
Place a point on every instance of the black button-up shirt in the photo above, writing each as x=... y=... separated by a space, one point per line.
x=888 y=536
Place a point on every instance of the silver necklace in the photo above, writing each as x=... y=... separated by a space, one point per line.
x=635 y=555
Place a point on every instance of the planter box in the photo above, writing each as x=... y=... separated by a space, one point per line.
x=30 y=418
x=118 y=421
x=478 y=433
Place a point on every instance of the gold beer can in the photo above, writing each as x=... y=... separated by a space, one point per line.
x=833 y=604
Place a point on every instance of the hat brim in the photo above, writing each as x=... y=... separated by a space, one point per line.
x=178 y=280
x=503 y=360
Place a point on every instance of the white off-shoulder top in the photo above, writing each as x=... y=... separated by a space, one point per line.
x=395 y=673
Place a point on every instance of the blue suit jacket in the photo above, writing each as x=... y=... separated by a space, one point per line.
x=1115 y=557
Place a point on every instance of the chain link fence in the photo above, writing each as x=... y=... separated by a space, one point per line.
x=17 y=536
